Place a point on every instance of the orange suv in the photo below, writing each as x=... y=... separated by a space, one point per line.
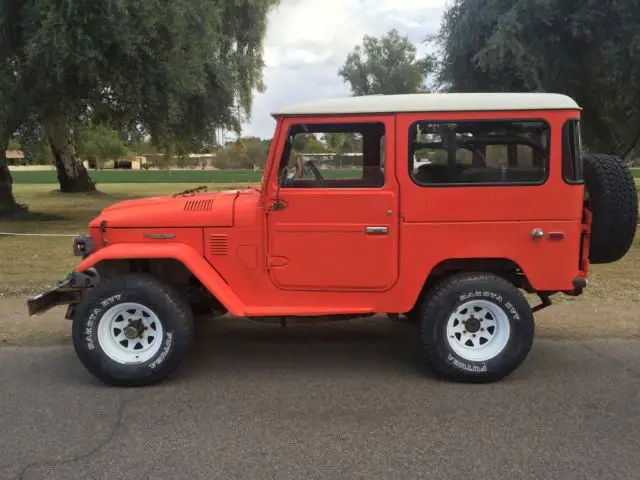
x=443 y=208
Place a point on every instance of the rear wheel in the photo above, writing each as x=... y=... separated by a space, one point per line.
x=132 y=330
x=476 y=328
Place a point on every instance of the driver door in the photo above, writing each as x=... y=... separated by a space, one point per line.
x=333 y=224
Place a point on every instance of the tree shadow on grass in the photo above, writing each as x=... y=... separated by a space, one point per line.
x=28 y=216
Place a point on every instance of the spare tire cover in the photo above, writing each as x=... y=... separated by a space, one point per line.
x=613 y=201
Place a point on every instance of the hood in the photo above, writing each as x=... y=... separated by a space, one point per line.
x=215 y=209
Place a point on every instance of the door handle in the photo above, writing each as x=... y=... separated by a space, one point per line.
x=376 y=230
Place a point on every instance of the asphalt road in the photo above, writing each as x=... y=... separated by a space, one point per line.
x=323 y=402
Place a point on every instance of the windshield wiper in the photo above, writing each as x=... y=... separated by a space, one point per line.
x=191 y=192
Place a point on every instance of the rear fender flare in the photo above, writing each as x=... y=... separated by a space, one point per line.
x=185 y=254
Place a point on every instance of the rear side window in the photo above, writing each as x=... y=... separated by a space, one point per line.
x=501 y=152
x=572 y=169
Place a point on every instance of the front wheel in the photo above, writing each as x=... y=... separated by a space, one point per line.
x=476 y=328
x=132 y=330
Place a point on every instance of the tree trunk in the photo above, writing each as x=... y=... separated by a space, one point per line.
x=72 y=176
x=8 y=204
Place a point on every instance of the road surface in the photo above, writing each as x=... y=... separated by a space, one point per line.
x=258 y=402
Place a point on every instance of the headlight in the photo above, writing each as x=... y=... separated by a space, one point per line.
x=83 y=246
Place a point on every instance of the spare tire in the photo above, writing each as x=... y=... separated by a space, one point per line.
x=613 y=201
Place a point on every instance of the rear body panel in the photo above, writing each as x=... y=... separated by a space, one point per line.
x=448 y=222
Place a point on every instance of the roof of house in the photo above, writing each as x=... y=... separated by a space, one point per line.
x=433 y=102
x=16 y=154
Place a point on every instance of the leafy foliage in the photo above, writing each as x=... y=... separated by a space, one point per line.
x=172 y=70
x=334 y=141
x=386 y=65
x=308 y=143
x=97 y=143
x=14 y=145
x=245 y=152
x=184 y=68
x=589 y=50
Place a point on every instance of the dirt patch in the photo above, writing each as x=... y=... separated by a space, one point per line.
x=581 y=319
x=587 y=319
x=18 y=329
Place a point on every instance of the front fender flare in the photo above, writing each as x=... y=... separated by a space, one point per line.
x=200 y=268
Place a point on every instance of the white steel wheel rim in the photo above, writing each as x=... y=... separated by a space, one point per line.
x=117 y=327
x=478 y=330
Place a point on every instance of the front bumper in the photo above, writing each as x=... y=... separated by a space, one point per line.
x=69 y=291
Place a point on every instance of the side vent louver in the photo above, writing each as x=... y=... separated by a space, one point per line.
x=198 y=205
x=218 y=245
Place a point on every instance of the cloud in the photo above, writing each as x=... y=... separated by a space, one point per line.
x=307 y=42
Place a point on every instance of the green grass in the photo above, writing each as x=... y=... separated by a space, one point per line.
x=103 y=177
x=145 y=176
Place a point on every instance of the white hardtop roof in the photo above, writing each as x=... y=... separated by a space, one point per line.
x=433 y=102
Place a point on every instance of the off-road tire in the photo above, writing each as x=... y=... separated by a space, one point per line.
x=613 y=201
x=166 y=302
x=446 y=298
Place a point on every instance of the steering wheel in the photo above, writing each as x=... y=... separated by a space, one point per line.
x=316 y=173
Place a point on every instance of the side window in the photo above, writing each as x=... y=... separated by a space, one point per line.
x=340 y=155
x=479 y=152
x=572 y=152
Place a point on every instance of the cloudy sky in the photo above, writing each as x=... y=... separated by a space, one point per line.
x=307 y=42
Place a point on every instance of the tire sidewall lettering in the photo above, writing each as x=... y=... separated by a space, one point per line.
x=508 y=307
x=164 y=352
x=474 y=367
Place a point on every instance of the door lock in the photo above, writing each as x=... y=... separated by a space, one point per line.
x=537 y=233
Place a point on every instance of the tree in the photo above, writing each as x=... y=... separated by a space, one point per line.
x=353 y=143
x=256 y=152
x=176 y=70
x=244 y=152
x=12 y=101
x=386 y=66
x=334 y=141
x=589 y=50
x=14 y=144
x=97 y=143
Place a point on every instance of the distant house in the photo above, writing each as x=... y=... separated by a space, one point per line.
x=14 y=157
x=132 y=163
x=204 y=161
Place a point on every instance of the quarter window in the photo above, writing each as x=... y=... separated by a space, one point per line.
x=479 y=152
x=572 y=152
x=340 y=155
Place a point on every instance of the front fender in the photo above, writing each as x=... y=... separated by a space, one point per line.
x=202 y=270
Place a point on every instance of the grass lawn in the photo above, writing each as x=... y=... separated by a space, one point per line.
x=105 y=177
x=144 y=176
